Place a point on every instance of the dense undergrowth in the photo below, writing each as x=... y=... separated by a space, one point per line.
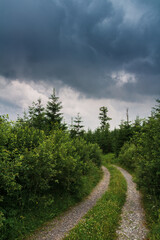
x=141 y=155
x=35 y=218
x=41 y=175
x=102 y=220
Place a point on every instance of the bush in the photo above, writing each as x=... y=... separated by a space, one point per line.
x=148 y=157
x=127 y=156
x=34 y=166
x=95 y=154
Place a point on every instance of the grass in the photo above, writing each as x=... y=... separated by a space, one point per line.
x=112 y=159
x=23 y=224
x=103 y=219
x=109 y=158
x=152 y=209
x=150 y=203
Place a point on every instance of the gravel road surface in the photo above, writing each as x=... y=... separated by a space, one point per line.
x=133 y=218
x=57 y=229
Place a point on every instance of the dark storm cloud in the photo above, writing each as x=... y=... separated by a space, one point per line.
x=82 y=43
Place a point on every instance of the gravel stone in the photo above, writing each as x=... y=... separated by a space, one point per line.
x=132 y=226
x=60 y=226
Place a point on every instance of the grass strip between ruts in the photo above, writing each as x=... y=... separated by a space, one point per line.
x=103 y=219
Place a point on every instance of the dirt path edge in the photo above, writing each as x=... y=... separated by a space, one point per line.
x=133 y=224
x=60 y=226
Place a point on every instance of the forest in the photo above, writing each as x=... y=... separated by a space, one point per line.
x=46 y=164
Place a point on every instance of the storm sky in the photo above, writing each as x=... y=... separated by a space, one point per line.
x=94 y=52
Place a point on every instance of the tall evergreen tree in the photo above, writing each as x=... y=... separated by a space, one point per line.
x=156 y=109
x=36 y=114
x=103 y=134
x=53 y=114
x=121 y=135
x=24 y=120
x=89 y=136
x=127 y=115
x=1 y=118
x=104 y=118
x=77 y=127
x=137 y=125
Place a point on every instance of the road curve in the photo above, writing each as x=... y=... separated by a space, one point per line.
x=60 y=226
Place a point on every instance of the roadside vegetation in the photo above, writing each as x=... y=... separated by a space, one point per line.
x=141 y=156
x=47 y=166
x=43 y=169
x=103 y=219
x=136 y=147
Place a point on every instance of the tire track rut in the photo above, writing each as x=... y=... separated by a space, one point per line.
x=60 y=226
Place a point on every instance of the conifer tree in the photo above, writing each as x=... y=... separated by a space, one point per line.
x=104 y=118
x=77 y=127
x=53 y=114
x=0 y=119
x=37 y=114
x=103 y=134
x=156 y=109
x=24 y=120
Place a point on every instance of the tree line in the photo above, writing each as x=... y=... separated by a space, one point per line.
x=141 y=155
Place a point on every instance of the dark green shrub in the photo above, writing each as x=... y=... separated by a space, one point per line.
x=148 y=157
x=127 y=156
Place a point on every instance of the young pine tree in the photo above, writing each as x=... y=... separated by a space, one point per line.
x=156 y=109
x=37 y=115
x=53 y=114
x=103 y=133
x=77 y=127
x=104 y=118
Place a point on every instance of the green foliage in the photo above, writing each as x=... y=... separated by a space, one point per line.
x=148 y=156
x=24 y=137
x=121 y=135
x=35 y=167
x=152 y=210
x=104 y=118
x=53 y=114
x=109 y=158
x=127 y=156
x=142 y=154
x=102 y=137
x=45 y=119
x=77 y=127
x=2 y=219
x=102 y=220
x=37 y=115
x=5 y=132
x=95 y=154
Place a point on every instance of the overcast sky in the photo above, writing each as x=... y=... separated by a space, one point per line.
x=94 y=52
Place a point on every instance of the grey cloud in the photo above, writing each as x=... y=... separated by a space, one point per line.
x=81 y=43
x=8 y=104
